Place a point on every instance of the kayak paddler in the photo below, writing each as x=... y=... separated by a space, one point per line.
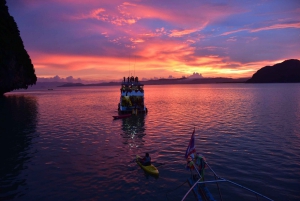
x=146 y=160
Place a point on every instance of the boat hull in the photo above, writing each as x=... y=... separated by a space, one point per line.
x=132 y=97
x=121 y=116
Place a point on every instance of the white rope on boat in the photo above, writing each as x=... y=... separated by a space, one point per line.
x=256 y=193
x=220 y=180
x=191 y=189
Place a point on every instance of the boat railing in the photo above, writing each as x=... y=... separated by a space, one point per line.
x=219 y=179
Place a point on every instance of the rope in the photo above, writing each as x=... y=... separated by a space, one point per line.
x=175 y=189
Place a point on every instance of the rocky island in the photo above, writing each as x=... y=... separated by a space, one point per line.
x=285 y=72
x=16 y=68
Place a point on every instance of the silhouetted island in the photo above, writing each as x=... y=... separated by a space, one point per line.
x=16 y=68
x=285 y=72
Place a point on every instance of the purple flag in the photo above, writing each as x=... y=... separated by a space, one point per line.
x=191 y=148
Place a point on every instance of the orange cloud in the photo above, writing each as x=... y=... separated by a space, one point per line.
x=177 y=33
x=94 y=14
x=137 y=40
x=112 y=16
x=180 y=33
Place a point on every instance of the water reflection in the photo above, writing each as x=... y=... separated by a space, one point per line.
x=18 y=118
x=133 y=130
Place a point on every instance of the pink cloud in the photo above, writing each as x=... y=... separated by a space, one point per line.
x=116 y=15
x=274 y=26
x=278 y=26
x=180 y=33
x=232 y=32
x=137 y=40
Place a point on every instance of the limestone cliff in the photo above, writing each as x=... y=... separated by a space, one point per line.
x=285 y=72
x=16 y=69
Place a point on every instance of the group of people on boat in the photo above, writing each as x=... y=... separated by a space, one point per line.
x=132 y=96
x=196 y=161
x=131 y=79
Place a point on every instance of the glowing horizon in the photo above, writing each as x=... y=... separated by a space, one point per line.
x=108 y=40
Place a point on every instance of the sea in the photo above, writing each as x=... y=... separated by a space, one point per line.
x=63 y=144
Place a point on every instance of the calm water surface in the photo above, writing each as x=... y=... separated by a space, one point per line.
x=64 y=144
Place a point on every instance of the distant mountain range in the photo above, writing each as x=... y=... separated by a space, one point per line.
x=167 y=81
x=285 y=72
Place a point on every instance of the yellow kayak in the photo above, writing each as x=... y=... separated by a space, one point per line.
x=151 y=169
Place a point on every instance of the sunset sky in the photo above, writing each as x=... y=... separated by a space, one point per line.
x=104 y=40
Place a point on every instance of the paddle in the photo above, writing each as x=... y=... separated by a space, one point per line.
x=156 y=164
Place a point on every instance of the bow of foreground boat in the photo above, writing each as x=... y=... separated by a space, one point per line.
x=199 y=185
x=197 y=164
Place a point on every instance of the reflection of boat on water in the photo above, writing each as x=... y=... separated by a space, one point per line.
x=133 y=130
x=132 y=96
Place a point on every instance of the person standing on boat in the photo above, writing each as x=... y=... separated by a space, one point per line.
x=200 y=162
x=146 y=160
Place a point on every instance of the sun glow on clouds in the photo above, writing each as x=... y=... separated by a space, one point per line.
x=97 y=38
x=92 y=67
x=117 y=18
x=176 y=33
x=137 y=40
x=155 y=64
